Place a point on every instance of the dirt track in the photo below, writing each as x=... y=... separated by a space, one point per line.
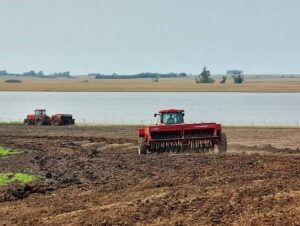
x=95 y=177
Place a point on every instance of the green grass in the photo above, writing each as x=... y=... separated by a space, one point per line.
x=23 y=178
x=11 y=123
x=6 y=152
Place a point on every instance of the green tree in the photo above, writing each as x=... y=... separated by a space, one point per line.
x=238 y=79
x=204 y=77
x=41 y=73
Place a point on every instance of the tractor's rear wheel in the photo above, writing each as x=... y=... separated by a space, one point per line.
x=39 y=122
x=56 y=123
x=222 y=146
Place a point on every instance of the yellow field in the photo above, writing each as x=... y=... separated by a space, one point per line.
x=164 y=85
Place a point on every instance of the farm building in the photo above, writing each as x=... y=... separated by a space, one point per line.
x=234 y=72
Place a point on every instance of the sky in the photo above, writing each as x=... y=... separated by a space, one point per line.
x=133 y=36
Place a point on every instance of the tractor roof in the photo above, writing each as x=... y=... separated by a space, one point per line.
x=40 y=110
x=171 y=111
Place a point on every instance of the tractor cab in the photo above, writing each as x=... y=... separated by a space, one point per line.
x=171 y=116
x=39 y=112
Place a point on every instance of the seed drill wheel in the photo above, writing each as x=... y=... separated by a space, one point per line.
x=143 y=149
x=222 y=146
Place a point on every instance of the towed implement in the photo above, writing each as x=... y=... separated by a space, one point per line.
x=39 y=117
x=62 y=119
x=172 y=134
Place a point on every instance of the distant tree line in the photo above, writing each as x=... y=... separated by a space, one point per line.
x=140 y=75
x=3 y=72
x=204 y=77
x=33 y=73
x=39 y=74
x=61 y=74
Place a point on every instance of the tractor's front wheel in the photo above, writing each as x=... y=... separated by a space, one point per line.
x=222 y=146
x=26 y=122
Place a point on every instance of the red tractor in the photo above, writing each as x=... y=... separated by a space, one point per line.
x=41 y=118
x=38 y=118
x=172 y=134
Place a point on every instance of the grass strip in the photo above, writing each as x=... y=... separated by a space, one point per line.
x=6 y=152
x=11 y=123
x=23 y=178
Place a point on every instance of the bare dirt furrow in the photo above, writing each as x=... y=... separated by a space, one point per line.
x=94 y=176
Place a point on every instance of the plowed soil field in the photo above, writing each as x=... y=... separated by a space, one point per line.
x=92 y=175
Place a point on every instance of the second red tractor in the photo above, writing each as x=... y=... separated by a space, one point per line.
x=39 y=117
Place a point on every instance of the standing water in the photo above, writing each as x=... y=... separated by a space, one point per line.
x=139 y=107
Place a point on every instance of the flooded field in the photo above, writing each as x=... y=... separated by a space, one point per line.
x=138 y=108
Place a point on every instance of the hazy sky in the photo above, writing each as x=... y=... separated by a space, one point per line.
x=131 y=36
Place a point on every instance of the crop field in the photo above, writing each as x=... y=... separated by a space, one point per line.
x=92 y=175
x=85 y=84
